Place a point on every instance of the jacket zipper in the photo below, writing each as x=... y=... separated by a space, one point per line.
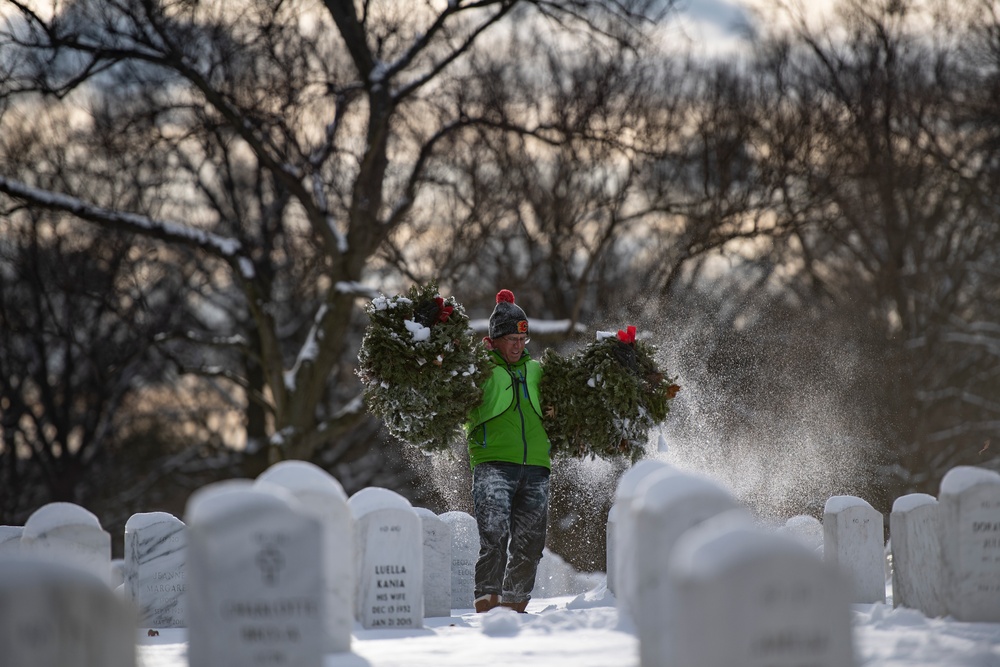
x=518 y=378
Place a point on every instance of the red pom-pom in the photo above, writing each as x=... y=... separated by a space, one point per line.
x=505 y=295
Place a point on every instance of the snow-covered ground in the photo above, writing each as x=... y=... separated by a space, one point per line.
x=586 y=630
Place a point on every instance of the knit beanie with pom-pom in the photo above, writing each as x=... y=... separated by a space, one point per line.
x=507 y=318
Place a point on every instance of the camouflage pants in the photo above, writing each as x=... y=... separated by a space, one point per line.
x=511 y=504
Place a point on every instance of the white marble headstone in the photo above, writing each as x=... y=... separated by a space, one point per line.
x=914 y=527
x=155 y=570
x=117 y=572
x=58 y=615
x=667 y=504
x=743 y=596
x=10 y=539
x=806 y=529
x=464 y=554
x=853 y=539
x=437 y=564
x=255 y=592
x=323 y=497
x=67 y=533
x=389 y=560
x=621 y=567
x=969 y=503
x=611 y=529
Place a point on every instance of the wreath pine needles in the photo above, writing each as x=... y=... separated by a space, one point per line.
x=421 y=371
x=604 y=399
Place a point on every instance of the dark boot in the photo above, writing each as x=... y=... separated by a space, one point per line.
x=486 y=602
x=519 y=607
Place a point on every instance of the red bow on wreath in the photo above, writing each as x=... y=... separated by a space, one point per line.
x=627 y=336
x=444 y=312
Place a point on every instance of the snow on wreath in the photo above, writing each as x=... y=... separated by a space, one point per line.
x=604 y=399
x=422 y=373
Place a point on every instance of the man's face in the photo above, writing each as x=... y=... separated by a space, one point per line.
x=510 y=346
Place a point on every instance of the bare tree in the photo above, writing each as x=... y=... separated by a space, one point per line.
x=888 y=202
x=281 y=142
x=642 y=165
x=75 y=349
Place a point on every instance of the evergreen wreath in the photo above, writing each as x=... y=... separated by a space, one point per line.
x=604 y=399
x=422 y=373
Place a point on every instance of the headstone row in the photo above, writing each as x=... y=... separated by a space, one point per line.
x=705 y=586
x=55 y=614
x=271 y=571
x=946 y=550
x=57 y=607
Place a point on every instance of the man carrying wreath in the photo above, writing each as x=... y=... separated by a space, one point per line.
x=509 y=455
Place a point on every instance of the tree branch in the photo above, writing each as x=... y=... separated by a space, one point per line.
x=227 y=249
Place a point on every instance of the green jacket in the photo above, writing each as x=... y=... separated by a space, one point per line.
x=507 y=425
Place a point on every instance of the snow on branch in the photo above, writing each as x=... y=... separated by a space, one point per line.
x=331 y=223
x=165 y=230
x=236 y=341
x=992 y=345
x=984 y=327
x=355 y=288
x=963 y=429
x=309 y=350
